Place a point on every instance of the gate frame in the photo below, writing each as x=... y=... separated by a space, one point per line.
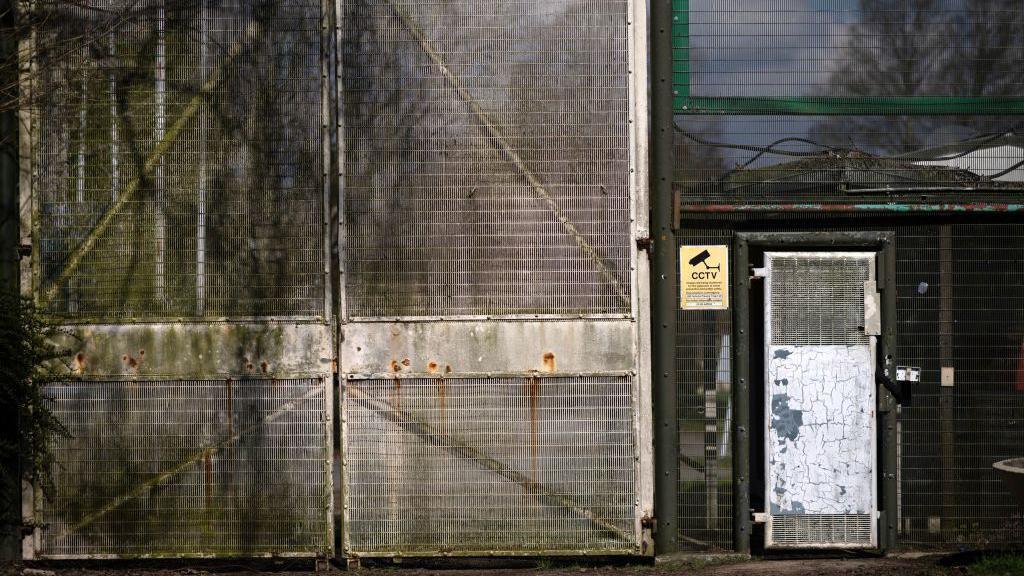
x=885 y=273
x=637 y=320
x=306 y=355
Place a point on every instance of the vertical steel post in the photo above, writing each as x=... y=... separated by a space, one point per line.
x=741 y=524
x=10 y=542
x=887 y=403
x=8 y=155
x=663 y=282
x=946 y=433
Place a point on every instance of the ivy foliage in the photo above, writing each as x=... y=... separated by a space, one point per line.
x=29 y=361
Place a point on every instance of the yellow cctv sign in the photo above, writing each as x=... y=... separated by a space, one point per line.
x=704 y=277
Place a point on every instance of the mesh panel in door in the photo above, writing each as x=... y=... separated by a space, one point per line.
x=487 y=157
x=180 y=159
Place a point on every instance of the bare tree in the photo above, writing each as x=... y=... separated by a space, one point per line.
x=924 y=48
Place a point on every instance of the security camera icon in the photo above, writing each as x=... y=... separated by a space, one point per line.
x=702 y=259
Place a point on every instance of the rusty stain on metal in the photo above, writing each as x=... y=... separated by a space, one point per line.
x=395 y=367
x=447 y=368
x=130 y=361
x=230 y=425
x=549 y=362
x=533 y=386
x=142 y=353
x=264 y=367
x=442 y=403
x=406 y=362
x=396 y=396
x=432 y=367
x=79 y=362
x=208 y=478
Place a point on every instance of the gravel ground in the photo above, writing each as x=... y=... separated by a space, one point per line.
x=689 y=566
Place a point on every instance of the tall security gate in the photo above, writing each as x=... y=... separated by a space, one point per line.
x=173 y=162
x=821 y=323
x=494 y=350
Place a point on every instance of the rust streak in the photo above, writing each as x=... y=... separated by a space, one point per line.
x=432 y=367
x=208 y=476
x=397 y=396
x=406 y=362
x=395 y=366
x=230 y=425
x=79 y=364
x=264 y=367
x=549 y=362
x=533 y=387
x=442 y=403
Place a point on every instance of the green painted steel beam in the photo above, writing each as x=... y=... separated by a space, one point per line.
x=887 y=106
x=685 y=103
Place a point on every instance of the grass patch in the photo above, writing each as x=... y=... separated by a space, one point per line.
x=1001 y=565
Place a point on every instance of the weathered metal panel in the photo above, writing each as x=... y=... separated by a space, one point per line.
x=492 y=217
x=493 y=465
x=479 y=181
x=200 y=350
x=194 y=212
x=479 y=347
x=165 y=468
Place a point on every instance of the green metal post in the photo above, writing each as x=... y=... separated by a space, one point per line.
x=890 y=456
x=10 y=538
x=663 y=282
x=741 y=399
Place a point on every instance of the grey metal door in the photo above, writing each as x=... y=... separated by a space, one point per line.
x=821 y=326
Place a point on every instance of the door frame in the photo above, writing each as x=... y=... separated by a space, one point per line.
x=744 y=243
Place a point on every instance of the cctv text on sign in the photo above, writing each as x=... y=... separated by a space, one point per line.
x=704 y=277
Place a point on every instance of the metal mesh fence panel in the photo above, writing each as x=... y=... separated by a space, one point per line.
x=703 y=375
x=832 y=101
x=179 y=159
x=959 y=288
x=486 y=157
x=189 y=467
x=450 y=465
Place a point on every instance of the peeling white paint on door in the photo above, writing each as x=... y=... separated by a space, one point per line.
x=820 y=432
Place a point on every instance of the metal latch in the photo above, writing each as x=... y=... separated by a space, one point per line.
x=908 y=374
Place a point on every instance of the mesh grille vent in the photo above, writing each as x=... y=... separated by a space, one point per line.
x=511 y=464
x=818 y=300
x=821 y=530
x=189 y=467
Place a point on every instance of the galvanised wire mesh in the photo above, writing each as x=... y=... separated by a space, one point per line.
x=189 y=467
x=835 y=101
x=490 y=465
x=830 y=293
x=486 y=157
x=959 y=290
x=703 y=356
x=961 y=302
x=179 y=158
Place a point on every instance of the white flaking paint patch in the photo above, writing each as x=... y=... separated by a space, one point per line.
x=821 y=403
